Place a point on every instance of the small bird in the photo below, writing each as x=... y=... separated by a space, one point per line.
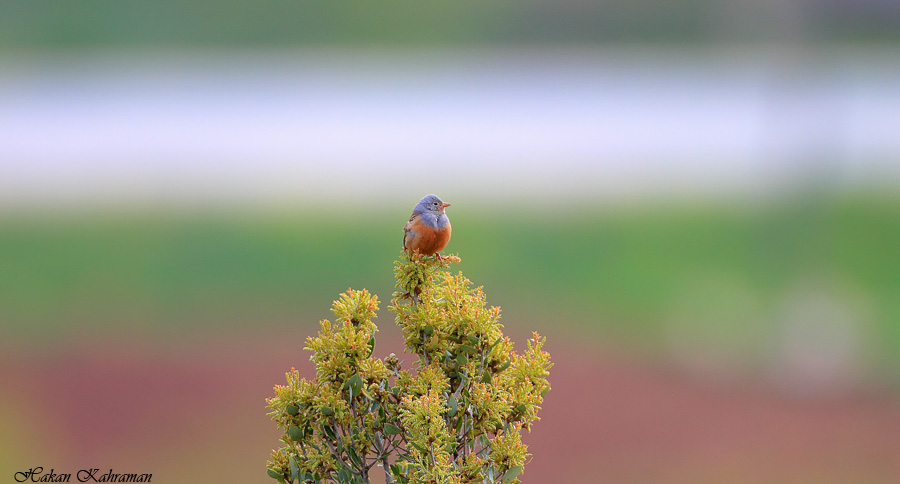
x=428 y=229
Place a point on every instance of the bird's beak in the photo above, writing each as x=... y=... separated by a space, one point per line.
x=444 y=205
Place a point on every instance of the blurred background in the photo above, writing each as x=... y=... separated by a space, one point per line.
x=697 y=201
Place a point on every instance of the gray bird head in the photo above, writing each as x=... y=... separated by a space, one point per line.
x=430 y=203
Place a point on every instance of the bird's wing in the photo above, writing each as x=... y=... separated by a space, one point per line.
x=408 y=227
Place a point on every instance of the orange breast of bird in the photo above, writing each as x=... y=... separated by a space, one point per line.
x=426 y=239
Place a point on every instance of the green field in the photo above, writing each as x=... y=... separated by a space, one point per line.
x=617 y=273
x=203 y=23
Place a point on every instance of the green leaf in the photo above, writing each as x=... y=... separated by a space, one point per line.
x=371 y=345
x=353 y=456
x=545 y=391
x=462 y=359
x=274 y=474
x=329 y=432
x=391 y=429
x=472 y=340
x=521 y=408
x=486 y=378
x=295 y=433
x=452 y=404
x=356 y=383
x=428 y=330
x=467 y=349
x=295 y=469
x=343 y=476
x=293 y=410
x=504 y=366
x=511 y=474
x=326 y=411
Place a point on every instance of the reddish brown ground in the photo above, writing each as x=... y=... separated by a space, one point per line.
x=195 y=412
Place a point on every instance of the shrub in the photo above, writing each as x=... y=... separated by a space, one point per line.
x=455 y=417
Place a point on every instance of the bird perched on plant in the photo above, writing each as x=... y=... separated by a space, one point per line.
x=428 y=229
